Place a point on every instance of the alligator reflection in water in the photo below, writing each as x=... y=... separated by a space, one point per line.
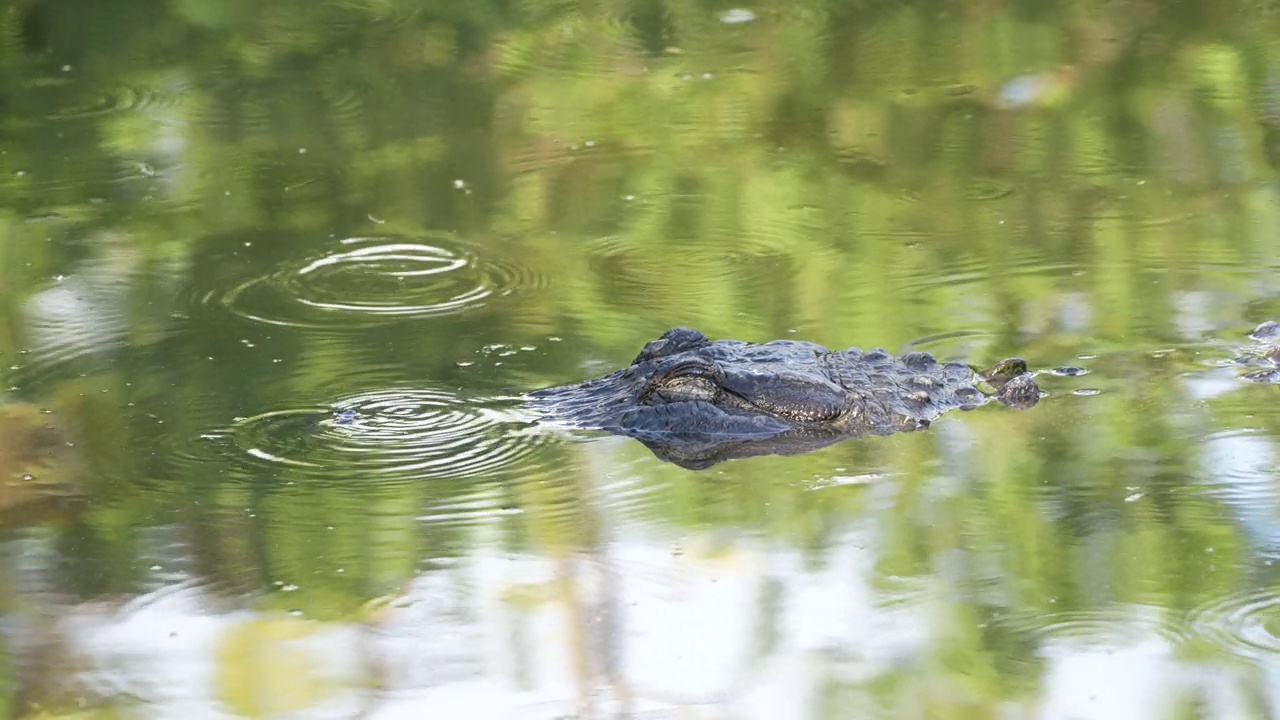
x=695 y=402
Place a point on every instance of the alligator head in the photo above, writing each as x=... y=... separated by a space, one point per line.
x=696 y=402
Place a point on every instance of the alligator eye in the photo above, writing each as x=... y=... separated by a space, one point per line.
x=692 y=378
x=686 y=388
x=694 y=367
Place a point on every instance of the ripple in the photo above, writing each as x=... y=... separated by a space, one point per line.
x=1109 y=626
x=81 y=320
x=361 y=12
x=1028 y=264
x=371 y=281
x=986 y=189
x=952 y=345
x=648 y=274
x=108 y=101
x=346 y=103
x=75 y=318
x=482 y=507
x=1238 y=470
x=570 y=46
x=978 y=189
x=78 y=173
x=391 y=434
x=1247 y=624
x=67 y=99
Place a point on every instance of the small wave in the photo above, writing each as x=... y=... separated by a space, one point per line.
x=952 y=345
x=981 y=270
x=1109 y=626
x=570 y=46
x=73 y=101
x=370 y=281
x=1245 y=624
x=384 y=435
x=1238 y=470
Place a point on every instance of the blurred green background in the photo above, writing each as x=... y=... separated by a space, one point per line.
x=221 y=221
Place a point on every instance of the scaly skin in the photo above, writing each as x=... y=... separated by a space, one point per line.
x=697 y=402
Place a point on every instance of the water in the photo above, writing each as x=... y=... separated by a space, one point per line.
x=274 y=279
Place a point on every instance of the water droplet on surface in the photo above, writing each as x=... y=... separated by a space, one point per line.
x=1070 y=371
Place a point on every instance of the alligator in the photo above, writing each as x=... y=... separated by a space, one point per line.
x=1263 y=355
x=696 y=402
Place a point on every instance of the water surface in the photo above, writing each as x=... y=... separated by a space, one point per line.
x=274 y=279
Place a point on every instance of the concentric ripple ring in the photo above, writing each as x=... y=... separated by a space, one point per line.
x=386 y=435
x=371 y=280
x=1107 y=626
x=1247 y=624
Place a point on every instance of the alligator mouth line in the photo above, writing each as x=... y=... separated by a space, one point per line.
x=730 y=401
x=748 y=406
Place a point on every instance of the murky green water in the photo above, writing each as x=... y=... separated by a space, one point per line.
x=274 y=278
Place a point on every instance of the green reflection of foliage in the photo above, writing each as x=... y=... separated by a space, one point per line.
x=266 y=669
x=867 y=173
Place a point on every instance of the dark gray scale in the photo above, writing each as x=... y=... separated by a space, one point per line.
x=969 y=397
x=785 y=349
x=842 y=367
x=924 y=382
x=957 y=372
x=907 y=423
x=676 y=340
x=878 y=357
x=729 y=350
x=879 y=381
x=919 y=400
x=865 y=410
x=918 y=361
x=1019 y=392
x=1268 y=331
